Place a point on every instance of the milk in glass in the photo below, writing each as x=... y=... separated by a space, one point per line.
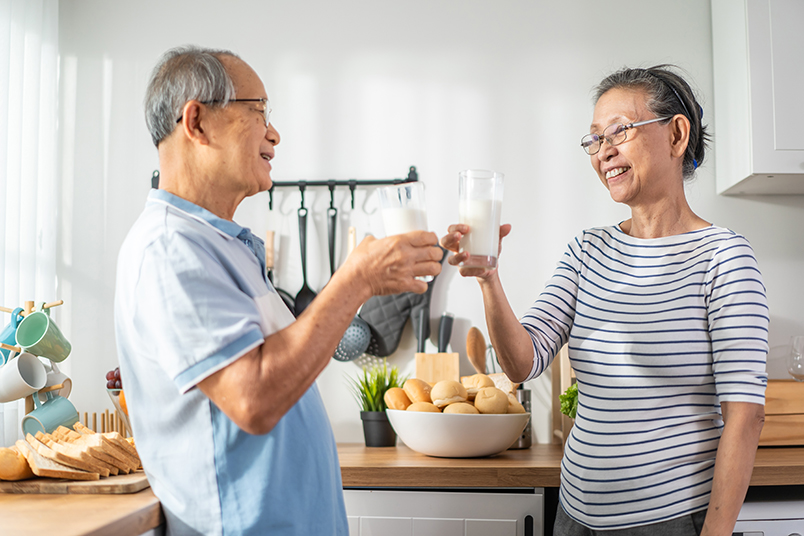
x=483 y=218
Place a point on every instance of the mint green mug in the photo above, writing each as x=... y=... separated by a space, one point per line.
x=39 y=335
x=56 y=411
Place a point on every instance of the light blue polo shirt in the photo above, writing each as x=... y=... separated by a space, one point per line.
x=191 y=298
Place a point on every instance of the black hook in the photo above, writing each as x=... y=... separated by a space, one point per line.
x=412 y=175
x=155 y=179
x=352 y=186
x=331 y=186
x=271 y=197
x=302 y=186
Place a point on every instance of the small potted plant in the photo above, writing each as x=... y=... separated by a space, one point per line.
x=369 y=390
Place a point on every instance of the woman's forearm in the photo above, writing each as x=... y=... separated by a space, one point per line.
x=733 y=465
x=511 y=341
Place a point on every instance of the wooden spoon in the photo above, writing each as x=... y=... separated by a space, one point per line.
x=476 y=349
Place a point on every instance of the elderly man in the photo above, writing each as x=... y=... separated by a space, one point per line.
x=219 y=376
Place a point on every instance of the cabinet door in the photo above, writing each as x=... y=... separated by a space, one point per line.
x=758 y=75
x=444 y=513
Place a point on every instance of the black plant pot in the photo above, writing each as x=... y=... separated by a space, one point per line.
x=377 y=431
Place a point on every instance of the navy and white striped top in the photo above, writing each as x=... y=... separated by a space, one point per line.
x=660 y=332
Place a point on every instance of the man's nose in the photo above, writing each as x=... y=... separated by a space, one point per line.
x=272 y=135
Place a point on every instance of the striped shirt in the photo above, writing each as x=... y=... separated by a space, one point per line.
x=660 y=332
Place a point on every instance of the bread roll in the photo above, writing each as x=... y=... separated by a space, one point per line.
x=448 y=392
x=491 y=400
x=423 y=406
x=476 y=382
x=13 y=465
x=395 y=398
x=417 y=390
x=461 y=407
x=502 y=382
x=514 y=406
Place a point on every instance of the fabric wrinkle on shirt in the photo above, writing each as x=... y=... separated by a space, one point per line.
x=192 y=297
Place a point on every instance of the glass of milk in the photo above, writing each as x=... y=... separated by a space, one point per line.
x=480 y=195
x=403 y=210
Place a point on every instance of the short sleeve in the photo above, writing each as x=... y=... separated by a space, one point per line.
x=738 y=317
x=192 y=311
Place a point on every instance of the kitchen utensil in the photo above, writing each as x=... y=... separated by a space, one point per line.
x=21 y=376
x=476 y=349
x=39 y=335
x=354 y=342
x=306 y=294
x=356 y=339
x=269 y=269
x=130 y=483
x=9 y=333
x=480 y=206
x=525 y=440
x=56 y=411
x=332 y=220
x=403 y=210
x=433 y=368
x=457 y=436
x=795 y=359
x=445 y=331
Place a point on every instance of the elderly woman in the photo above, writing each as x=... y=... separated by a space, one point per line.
x=666 y=322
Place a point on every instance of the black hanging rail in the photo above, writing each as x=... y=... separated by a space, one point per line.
x=331 y=184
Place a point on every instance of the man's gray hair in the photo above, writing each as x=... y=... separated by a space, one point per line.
x=182 y=74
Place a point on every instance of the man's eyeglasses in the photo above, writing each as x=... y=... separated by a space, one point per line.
x=614 y=134
x=266 y=108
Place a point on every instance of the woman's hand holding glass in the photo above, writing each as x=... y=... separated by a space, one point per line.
x=452 y=242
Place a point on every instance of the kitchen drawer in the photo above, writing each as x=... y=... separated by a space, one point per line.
x=453 y=512
x=784 y=414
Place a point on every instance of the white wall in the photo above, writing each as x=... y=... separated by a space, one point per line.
x=363 y=89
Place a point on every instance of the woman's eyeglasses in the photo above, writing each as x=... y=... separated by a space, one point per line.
x=614 y=134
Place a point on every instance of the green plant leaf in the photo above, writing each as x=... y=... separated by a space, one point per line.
x=370 y=387
x=569 y=401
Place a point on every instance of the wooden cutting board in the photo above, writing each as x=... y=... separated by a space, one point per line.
x=130 y=483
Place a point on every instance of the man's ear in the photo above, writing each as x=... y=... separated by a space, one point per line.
x=193 y=121
x=680 y=135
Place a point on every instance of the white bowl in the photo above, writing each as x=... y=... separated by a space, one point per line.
x=456 y=435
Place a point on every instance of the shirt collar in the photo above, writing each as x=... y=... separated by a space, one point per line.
x=226 y=227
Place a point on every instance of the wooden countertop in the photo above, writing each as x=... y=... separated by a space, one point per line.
x=128 y=514
x=536 y=467
x=134 y=513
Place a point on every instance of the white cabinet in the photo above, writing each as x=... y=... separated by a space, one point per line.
x=445 y=513
x=758 y=55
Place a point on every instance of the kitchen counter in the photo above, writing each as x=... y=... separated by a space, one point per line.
x=135 y=513
x=127 y=514
x=537 y=467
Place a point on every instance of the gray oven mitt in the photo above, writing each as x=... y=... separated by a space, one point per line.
x=386 y=316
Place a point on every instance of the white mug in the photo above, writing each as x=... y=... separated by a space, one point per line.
x=57 y=377
x=21 y=376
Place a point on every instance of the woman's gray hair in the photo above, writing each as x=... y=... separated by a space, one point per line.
x=668 y=94
x=183 y=74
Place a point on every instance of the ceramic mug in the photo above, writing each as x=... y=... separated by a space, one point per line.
x=39 y=335
x=21 y=376
x=56 y=411
x=9 y=334
x=57 y=377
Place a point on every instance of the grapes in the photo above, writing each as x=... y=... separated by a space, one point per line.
x=113 y=379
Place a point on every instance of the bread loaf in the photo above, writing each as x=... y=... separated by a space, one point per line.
x=13 y=465
x=42 y=466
